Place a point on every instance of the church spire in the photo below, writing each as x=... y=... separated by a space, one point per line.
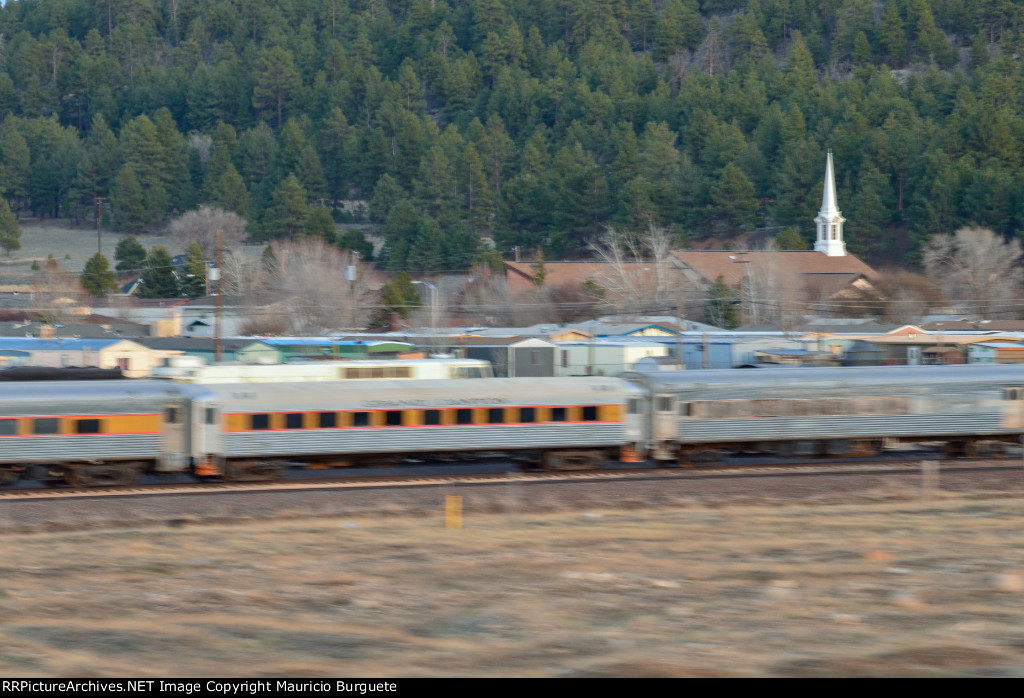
x=830 y=220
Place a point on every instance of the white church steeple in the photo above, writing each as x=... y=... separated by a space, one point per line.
x=830 y=220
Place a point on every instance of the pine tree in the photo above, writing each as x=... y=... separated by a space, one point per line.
x=288 y=210
x=733 y=202
x=319 y=223
x=396 y=296
x=158 y=277
x=17 y=167
x=175 y=174
x=130 y=255
x=128 y=201
x=97 y=278
x=147 y=156
x=277 y=82
x=192 y=283
x=230 y=193
x=480 y=199
x=10 y=231
x=721 y=307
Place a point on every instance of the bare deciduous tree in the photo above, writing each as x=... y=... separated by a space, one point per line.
x=639 y=276
x=202 y=224
x=978 y=270
x=305 y=291
x=769 y=294
x=904 y=297
x=56 y=291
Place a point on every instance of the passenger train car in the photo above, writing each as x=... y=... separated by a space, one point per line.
x=829 y=411
x=188 y=369
x=106 y=433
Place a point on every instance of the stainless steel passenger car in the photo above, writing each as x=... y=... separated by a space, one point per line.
x=561 y=422
x=830 y=411
x=88 y=432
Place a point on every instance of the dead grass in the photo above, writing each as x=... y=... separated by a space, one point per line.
x=903 y=589
x=71 y=246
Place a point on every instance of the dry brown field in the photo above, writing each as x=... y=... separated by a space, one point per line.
x=71 y=246
x=907 y=588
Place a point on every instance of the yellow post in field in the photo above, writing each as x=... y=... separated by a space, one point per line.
x=452 y=511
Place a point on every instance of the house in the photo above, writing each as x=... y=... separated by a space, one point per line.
x=604 y=356
x=726 y=350
x=511 y=357
x=995 y=353
x=132 y=358
x=300 y=348
x=246 y=350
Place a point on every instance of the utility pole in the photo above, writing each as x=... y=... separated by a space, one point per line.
x=218 y=349
x=351 y=274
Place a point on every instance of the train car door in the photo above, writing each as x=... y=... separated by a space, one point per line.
x=174 y=438
x=205 y=450
x=663 y=426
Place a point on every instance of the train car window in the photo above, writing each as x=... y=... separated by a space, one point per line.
x=664 y=403
x=46 y=425
x=87 y=426
x=393 y=418
x=8 y=427
x=172 y=415
x=293 y=420
x=377 y=372
x=527 y=415
x=360 y=419
x=590 y=413
x=897 y=405
x=684 y=409
x=496 y=415
x=259 y=422
x=463 y=416
x=832 y=407
x=328 y=420
x=431 y=418
x=558 y=414
x=211 y=415
x=1013 y=394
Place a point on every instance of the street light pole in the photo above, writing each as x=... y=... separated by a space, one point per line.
x=433 y=308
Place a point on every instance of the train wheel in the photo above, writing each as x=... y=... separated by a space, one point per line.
x=954 y=449
x=252 y=471
x=572 y=460
x=8 y=477
x=101 y=474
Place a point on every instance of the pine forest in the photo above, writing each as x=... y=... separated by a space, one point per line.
x=533 y=124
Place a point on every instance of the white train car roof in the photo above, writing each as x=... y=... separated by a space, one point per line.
x=356 y=394
x=388 y=369
x=116 y=396
x=892 y=378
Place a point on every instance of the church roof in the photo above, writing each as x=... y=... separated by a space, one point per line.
x=733 y=266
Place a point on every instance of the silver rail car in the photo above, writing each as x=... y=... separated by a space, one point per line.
x=107 y=433
x=88 y=433
x=830 y=411
x=563 y=423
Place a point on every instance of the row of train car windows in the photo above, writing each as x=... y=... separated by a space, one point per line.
x=45 y=426
x=378 y=372
x=832 y=406
x=410 y=418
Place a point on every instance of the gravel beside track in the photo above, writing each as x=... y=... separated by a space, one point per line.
x=518 y=495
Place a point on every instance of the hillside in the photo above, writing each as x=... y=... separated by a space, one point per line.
x=534 y=124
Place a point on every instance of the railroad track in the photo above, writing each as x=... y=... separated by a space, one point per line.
x=634 y=474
